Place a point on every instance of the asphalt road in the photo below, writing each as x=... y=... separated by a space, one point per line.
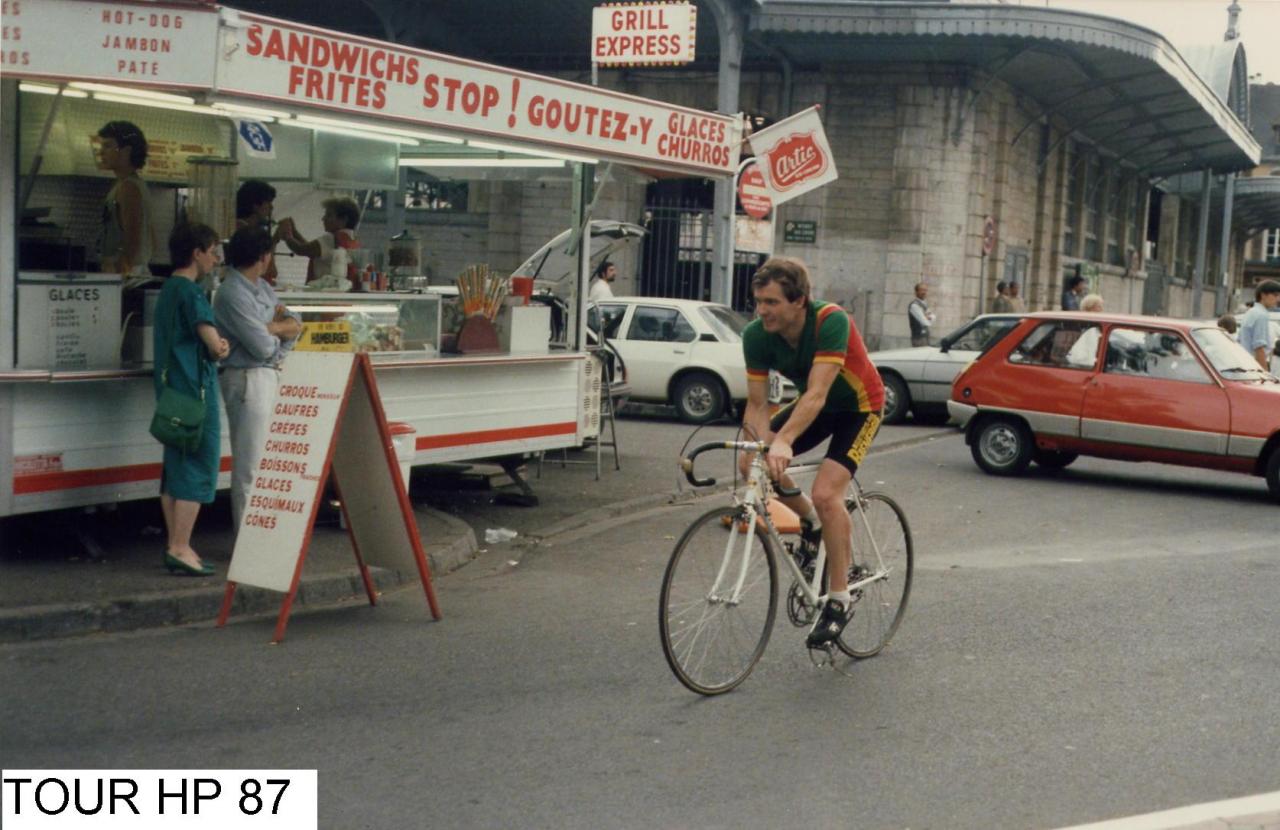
x=1080 y=646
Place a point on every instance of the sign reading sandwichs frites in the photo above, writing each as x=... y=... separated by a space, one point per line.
x=643 y=34
x=273 y=60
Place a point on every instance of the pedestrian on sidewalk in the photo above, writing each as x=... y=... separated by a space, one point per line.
x=1001 y=304
x=1255 y=328
x=1071 y=294
x=1016 y=304
x=187 y=346
x=261 y=332
x=919 y=317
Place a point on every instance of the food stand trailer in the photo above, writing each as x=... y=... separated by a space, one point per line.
x=74 y=413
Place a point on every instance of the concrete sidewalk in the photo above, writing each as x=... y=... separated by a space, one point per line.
x=51 y=587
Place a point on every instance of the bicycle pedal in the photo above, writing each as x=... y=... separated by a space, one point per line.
x=823 y=655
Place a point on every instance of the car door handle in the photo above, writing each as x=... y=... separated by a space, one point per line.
x=679 y=351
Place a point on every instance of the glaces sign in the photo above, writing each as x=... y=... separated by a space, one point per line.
x=795 y=156
x=643 y=34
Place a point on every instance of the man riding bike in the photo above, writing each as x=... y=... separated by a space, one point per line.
x=817 y=347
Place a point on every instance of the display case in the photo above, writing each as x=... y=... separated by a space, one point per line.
x=379 y=322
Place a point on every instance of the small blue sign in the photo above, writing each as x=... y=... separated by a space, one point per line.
x=257 y=138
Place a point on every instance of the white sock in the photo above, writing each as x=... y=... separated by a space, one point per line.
x=812 y=518
x=843 y=596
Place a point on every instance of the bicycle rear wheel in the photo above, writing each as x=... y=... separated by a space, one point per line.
x=713 y=631
x=879 y=525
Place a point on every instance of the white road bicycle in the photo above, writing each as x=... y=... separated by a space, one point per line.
x=720 y=595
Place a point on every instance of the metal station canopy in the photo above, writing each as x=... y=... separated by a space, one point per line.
x=1123 y=87
x=1256 y=203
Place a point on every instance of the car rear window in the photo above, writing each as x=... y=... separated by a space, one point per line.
x=1066 y=344
x=727 y=323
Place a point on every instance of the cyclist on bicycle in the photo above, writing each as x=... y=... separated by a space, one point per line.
x=817 y=347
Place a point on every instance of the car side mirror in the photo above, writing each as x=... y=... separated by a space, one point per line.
x=944 y=345
x=707 y=337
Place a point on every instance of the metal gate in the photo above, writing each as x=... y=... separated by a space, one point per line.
x=677 y=258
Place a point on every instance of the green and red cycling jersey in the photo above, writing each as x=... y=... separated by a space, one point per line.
x=829 y=337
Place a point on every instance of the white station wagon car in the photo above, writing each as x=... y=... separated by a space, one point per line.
x=919 y=379
x=687 y=353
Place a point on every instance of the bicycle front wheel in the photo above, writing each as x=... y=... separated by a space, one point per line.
x=881 y=546
x=718 y=602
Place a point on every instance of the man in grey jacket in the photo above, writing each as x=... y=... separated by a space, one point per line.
x=261 y=332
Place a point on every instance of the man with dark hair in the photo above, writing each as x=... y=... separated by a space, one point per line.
x=1255 y=328
x=817 y=347
x=255 y=202
x=601 y=289
x=260 y=331
x=1073 y=292
x=1001 y=304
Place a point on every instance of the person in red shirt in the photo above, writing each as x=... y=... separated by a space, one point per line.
x=340 y=219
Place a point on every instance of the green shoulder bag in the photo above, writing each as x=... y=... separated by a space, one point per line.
x=179 y=418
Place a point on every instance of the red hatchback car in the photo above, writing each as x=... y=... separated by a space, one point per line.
x=1064 y=384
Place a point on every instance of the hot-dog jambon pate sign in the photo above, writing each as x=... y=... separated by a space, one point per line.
x=125 y=43
x=273 y=60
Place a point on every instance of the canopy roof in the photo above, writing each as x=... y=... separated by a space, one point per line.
x=1120 y=86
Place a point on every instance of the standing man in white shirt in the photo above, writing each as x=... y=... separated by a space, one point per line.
x=919 y=317
x=600 y=289
x=1255 y=328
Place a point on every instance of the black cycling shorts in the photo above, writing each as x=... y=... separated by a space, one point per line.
x=851 y=434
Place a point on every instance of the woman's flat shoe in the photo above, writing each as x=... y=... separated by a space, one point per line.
x=177 y=566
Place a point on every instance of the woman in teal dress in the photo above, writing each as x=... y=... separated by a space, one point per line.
x=188 y=345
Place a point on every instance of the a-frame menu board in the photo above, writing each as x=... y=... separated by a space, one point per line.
x=327 y=420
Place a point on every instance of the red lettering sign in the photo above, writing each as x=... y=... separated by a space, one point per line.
x=794 y=160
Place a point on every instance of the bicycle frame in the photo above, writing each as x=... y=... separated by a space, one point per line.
x=755 y=505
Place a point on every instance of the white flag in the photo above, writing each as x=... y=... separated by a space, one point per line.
x=794 y=156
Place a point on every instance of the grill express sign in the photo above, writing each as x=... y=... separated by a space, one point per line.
x=281 y=62
x=794 y=156
x=643 y=34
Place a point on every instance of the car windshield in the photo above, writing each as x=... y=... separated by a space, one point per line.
x=1228 y=357
x=979 y=334
x=727 y=323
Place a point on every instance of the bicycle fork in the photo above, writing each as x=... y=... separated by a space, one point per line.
x=717 y=595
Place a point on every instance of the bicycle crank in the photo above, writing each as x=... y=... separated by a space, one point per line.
x=799 y=610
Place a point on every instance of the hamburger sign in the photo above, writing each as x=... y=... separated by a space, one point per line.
x=794 y=156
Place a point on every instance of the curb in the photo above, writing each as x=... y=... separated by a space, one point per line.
x=690 y=496
x=169 y=608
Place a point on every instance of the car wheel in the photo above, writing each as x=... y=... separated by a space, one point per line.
x=1053 y=459
x=1273 y=473
x=1002 y=446
x=699 y=397
x=897 y=400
